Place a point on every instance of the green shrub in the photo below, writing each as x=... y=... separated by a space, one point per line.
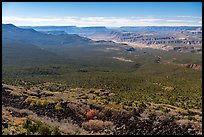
x=27 y=123
x=177 y=117
x=166 y=110
x=44 y=130
x=5 y=131
x=55 y=131
x=34 y=128
x=28 y=132
x=42 y=102
x=191 y=118
x=32 y=100
x=105 y=102
x=58 y=106
x=142 y=105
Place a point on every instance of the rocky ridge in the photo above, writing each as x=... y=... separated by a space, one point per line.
x=117 y=121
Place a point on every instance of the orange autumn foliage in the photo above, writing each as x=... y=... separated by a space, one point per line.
x=90 y=113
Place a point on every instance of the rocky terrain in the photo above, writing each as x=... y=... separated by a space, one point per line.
x=151 y=38
x=180 y=39
x=54 y=83
x=83 y=111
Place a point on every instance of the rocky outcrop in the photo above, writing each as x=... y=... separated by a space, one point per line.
x=152 y=126
x=151 y=40
x=124 y=122
x=194 y=66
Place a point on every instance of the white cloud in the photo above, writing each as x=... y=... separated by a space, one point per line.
x=150 y=20
x=175 y=20
x=97 y=21
x=181 y=21
x=30 y=19
x=189 y=17
x=184 y=16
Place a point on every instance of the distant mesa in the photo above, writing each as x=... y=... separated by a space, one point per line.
x=8 y=25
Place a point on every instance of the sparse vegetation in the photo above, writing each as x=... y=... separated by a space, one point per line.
x=96 y=125
x=56 y=83
x=38 y=127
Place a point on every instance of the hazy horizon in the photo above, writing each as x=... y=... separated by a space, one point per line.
x=93 y=26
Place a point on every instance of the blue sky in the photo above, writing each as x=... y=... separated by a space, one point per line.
x=110 y=14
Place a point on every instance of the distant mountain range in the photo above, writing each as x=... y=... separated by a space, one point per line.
x=26 y=45
x=56 y=42
x=59 y=36
x=69 y=29
x=134 y=34
x=103 y=29
x=31 y=36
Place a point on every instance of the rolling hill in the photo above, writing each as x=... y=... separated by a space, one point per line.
x=13 y=33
